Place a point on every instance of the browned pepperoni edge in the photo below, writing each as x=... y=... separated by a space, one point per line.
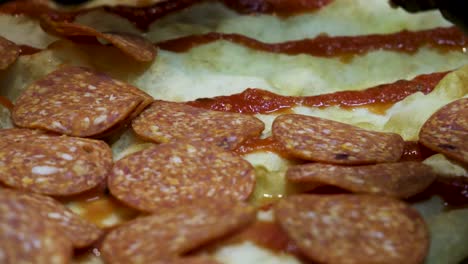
x=9 y=52
x=401 y=180
x=26 y=238
x=78 y=101
x=175 y=231
x=354 y=228
x=446 y=131
x=323 y=140
x=79 y=231
x=52 y=164
x=135 y=46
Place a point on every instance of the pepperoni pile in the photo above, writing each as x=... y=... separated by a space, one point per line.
x=191 y=184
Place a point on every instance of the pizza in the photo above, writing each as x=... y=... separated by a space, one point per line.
x=266 y=131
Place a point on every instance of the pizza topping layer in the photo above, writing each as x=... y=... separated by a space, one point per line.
x=318 y=139
x=301 y=83
x=24 y=238
x=9 y=52
x=180 y=172
x=142 y=17
x=77 y=102
x=79 y=231
x=402 y=179
x=415 y=151
x=165 y=236
x=354 y=228
x=52 y=164
x=168 y=121
x=134 y=46
x=446 y=131
x=257 y=101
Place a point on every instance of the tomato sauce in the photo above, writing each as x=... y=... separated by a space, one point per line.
x=6 y=103
x=327 y=46
x=257 y=101
x=415 y=151
x=28 y=50
x=453 y=190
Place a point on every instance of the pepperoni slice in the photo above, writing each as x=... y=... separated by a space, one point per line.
x=402 y=179
x=446 y=131
x=134 y=46
x=180 y=172
x=354 y=228
x=166 y=121
x=79 y=231
x=318 y=139
x=24 y=238
x=162 y=237
x=78 y=102
x=9 y=52
x=52 y=164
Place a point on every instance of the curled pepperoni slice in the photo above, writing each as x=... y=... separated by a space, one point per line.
x=134 y=46
x=328 y=141
x=24 y=238
x=52 y=164
x=166 y=121
x=277 y=7
x=180 y=172
x=9 y=52
x=78 y=102
x=354 y=228
x=446 y=131
x=163 y=237
x=80 y=232
x=403 y=179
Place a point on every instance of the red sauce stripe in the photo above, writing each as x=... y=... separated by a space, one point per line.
x=257 y=101
x=6 y=103
x=326 y=46
x=28 y=50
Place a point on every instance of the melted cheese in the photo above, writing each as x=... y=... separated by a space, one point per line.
x=23 y=30
x=443 y=166
x=248 y=252
x=5 y=121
